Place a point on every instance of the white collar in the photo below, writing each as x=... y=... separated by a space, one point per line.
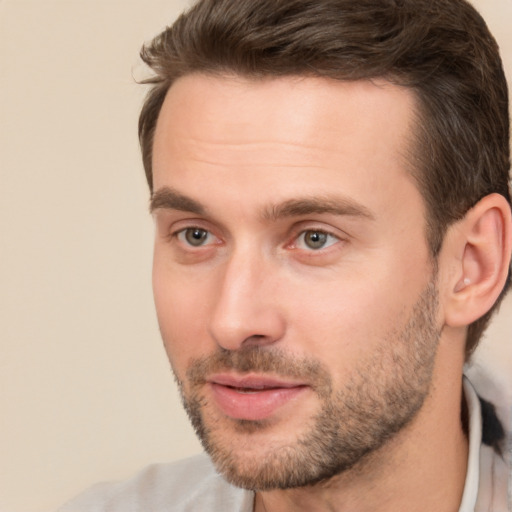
x=471 y=485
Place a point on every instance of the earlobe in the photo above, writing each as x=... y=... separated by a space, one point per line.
x=481 y=246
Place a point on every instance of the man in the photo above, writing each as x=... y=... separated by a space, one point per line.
x=329 y=182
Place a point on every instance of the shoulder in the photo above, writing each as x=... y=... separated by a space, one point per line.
x=495 y=441
x=187 y=485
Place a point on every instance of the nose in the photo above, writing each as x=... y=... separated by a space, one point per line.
x=247 y=310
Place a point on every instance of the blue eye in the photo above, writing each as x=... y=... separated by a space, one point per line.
x=196 y=237
x=315 y=240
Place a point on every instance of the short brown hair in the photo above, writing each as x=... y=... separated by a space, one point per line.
x=442 y=49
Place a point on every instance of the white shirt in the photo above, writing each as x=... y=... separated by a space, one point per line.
x=489 y=473
x=193 y=485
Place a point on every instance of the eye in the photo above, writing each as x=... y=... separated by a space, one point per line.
x=315 y=239
x=195 y=237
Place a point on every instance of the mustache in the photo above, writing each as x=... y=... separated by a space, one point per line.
x=255 y=359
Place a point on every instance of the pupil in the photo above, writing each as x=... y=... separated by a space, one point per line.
x=316 y=239
x=196 y=236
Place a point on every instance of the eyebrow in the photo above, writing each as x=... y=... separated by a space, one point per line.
x=334 y=205
x=169 y=199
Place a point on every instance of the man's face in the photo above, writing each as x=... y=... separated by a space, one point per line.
x=293 y=284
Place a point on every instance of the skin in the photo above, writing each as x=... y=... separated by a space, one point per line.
x=234 y=153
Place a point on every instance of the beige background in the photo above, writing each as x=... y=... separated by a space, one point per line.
x=85 y=389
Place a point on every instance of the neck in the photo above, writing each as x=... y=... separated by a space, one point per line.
x=423 y=468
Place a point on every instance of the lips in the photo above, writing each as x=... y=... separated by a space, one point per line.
x=252 y=397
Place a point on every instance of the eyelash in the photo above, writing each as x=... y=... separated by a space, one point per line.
x=181 y=234
x=324 y=238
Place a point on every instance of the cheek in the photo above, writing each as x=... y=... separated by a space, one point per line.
x=337 y=329
x=182 y=311
x=343 y=323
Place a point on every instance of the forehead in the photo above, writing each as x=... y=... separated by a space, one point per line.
x=276 y=137
x=290 y=109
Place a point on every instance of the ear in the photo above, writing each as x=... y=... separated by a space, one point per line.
x=477 y=253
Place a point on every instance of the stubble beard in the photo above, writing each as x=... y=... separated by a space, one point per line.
x=384 y=394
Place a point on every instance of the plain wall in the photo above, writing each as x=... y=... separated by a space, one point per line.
x=86 y=393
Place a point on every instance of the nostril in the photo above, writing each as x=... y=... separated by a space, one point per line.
x=255 y=339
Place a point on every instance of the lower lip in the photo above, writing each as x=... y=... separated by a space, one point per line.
x=254 y=405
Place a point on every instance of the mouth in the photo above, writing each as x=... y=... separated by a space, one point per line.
x=253 y=397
